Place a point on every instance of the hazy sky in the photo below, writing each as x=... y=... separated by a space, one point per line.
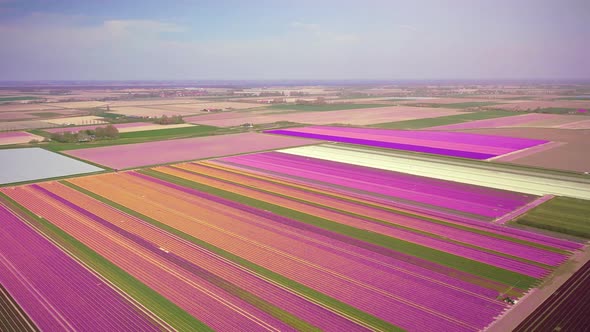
x=296 y=39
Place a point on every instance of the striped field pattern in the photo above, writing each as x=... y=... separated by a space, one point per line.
x=279 y=242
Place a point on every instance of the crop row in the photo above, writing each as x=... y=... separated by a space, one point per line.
x=434 y=237
x=147 y=262
x=480 y=201
x=57 y=292
x=335 y=268
x=454 y=144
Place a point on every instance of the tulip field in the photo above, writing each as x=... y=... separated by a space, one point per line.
x=33 y=270
x=463 y=145
x=274 y=241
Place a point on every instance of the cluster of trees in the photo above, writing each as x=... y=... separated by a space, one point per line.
x=99 y=133
x=166 y=120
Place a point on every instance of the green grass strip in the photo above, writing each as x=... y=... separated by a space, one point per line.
x=153 y=301
x=445 y=120
x=17 y=98
x=561 y=214
x=429 y=254
x=317 y=297
x=171 y=132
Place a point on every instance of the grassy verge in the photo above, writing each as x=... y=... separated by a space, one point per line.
x=17 y=98
x=445 y=120
x=561 y=214
x=150 y=299
x=429 y=254
x=309 y=293
x=45 y=114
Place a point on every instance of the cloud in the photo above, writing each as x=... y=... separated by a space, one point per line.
x=50 y=46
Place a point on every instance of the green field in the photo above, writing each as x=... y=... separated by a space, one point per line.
x=457 y=105
x=445 y=120
x=561 y=214
x=322 y=108
x=45 y=114
x=141 y=137
x=17 y=98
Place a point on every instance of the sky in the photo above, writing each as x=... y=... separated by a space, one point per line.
x=301 y=39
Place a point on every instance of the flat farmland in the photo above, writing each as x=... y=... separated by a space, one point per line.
x=561 y=214
x=122 y=127
x=80 y=104
x=144 y=111
x=17 y=137
x=169 y=151
x=323 y=253
x=153 y=102
x=30 y=164
x=13 y=116
x=76 y=120
x=525 y=120
x=491 y=175
x=27 y=107
x=157 y=110
x=511 y=121
x=354 y=117
x=441 y=198
x=24 y=125
x=441 y=143
x=545 y=104
x=186 y=107
x=570 y=156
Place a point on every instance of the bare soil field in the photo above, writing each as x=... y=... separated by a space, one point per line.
x=561 y=121
x=572 y=156
x=148 y=112
x=527 y=305
x=122 y=127
x=76 y=120
x=81 y=104
x=532 y=105
x=152 y=102
x=27 y=107
x=444 y=101
x=24 y=125
x=206 y=105
x=363 y=116
x=11 y=116
x=17 y=137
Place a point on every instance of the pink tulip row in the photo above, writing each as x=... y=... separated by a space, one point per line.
x=57 y=292
x=198 y=297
